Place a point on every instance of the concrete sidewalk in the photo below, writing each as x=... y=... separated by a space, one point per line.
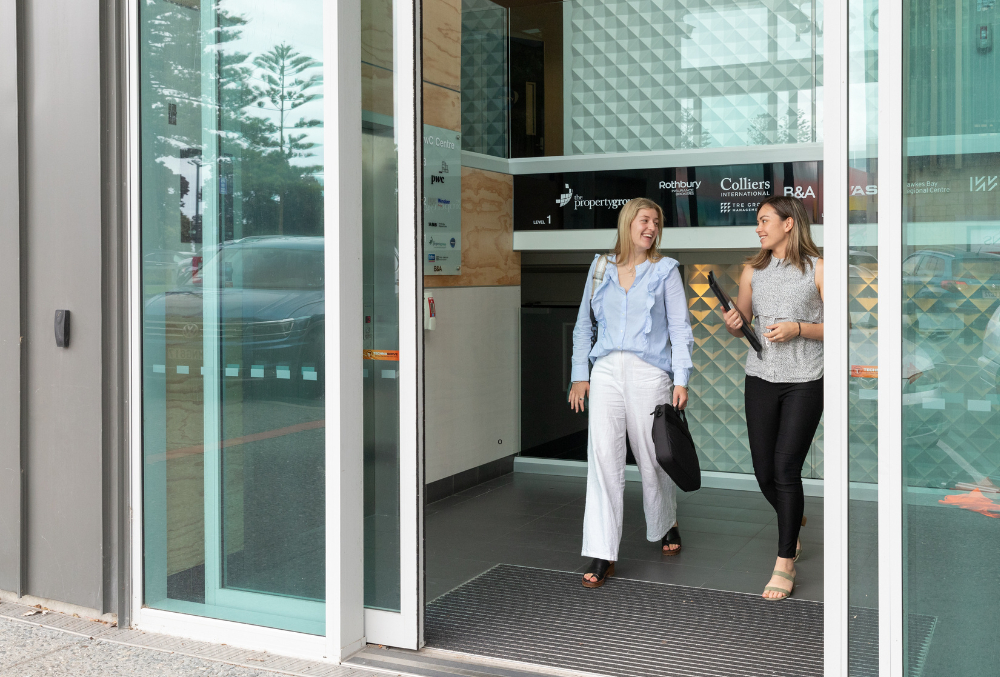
x=55 y=644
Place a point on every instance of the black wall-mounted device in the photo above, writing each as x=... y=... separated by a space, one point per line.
x=62 y=328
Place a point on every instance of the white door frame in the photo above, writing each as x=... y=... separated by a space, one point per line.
x=405 y=628
x=890 y=335
x=344 y=442
x=836 y=459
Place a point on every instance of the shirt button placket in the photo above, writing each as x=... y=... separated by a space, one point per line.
x=621 y=341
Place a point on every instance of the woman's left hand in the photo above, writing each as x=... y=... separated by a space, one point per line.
x=680 y=397
x=782 y=332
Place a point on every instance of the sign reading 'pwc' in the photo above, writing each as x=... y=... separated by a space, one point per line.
x=726 y=195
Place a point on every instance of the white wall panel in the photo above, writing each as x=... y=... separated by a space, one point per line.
x=471 y=381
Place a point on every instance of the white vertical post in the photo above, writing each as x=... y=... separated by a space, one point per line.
x=345 y=574
x=134 y=296
x=836 y=460
x=409 y=145
x=211 y=237
x=890 y=357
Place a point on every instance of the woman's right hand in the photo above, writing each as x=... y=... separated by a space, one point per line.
x=577 y=393
x=733 y=321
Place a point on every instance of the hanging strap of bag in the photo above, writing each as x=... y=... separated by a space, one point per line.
x=595 y=282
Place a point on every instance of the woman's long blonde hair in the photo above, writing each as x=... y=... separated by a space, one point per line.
x=623 y=247
x=800 y=242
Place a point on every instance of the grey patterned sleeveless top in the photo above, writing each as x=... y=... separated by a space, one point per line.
x=783 y=294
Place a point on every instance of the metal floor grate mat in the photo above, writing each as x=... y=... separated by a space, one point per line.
x=630 y=628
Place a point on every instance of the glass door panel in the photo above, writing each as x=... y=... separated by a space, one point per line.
x=391 y=340
x=950 y=337
x=863 y=332
x=233 y=310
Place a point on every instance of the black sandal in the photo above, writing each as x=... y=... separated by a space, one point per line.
x=602 y=569
x=673 y=537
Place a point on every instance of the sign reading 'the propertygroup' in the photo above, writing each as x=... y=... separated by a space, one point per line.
x=442 y=201
x=725 y=195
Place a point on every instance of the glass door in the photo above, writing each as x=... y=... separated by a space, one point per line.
x=392 y=353
x=950 y=323
x=233 y=316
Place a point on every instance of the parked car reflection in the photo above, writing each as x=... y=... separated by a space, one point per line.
x=944 y=291
x=270 y=301
x=989 y=361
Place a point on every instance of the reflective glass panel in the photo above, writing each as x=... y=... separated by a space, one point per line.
x=862 y=266
x=380 y=251
x=706 y=75
x=233 y=310
x=951 y=336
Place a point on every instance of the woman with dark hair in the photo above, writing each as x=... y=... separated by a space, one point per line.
x=641 y=358
x=782 y=287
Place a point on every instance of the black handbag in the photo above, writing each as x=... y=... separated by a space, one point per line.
x=674 y=447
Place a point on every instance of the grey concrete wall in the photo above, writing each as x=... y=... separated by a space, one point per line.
x=10 y=313
x=61 y=109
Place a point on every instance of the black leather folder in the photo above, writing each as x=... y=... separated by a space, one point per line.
x=726 y=302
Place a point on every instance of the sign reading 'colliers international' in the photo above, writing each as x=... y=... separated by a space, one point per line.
x=725 y=195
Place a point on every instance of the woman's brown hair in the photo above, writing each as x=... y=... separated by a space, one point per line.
x=623 y=246
x=800 y=245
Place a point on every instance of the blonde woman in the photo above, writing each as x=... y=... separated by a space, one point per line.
x=642 y=352
x=782 y=286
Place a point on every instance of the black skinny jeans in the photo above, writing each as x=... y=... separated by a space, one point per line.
x=781 y=422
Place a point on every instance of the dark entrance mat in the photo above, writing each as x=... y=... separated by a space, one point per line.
x=632 y=628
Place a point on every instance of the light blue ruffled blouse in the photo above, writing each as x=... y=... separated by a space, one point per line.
x=651 y=316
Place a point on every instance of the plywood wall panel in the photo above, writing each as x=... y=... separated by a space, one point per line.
x=376 y=90
x=376 y=33
x=488 y=256
x=443 y=43
x=442 y=107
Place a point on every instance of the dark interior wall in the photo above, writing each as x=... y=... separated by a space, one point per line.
x=60 y=50
x=10 y=313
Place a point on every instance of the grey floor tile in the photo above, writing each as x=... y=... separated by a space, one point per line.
x=765 y=545
x=750 y=561
x=537 y=521
x=569 y=511
x=806 y=534
x=808 y=587
x=661 y=573
x=562 y=542
x=551 y=524
x=734 y=499
x=738 y=581
x=688 y=556
x=470 y=522
x=710 y=541
x=540 y=558
x=442 y=579
x=718 y=526
x=726 y=513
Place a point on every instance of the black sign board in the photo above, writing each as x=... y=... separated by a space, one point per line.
x=725 y=195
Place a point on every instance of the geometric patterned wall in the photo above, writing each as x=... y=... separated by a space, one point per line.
x=951 y=414
x=484 y=78
x=862 y=294
x=716 y=410
x=666 y=74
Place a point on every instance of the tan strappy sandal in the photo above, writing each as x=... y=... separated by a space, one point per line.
x=785 y=594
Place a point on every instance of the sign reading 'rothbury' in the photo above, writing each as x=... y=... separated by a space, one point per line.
x=725 y=195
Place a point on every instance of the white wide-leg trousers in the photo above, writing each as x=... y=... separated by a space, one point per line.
x=624 y=390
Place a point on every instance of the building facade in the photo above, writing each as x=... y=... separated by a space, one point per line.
x=201 y=449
